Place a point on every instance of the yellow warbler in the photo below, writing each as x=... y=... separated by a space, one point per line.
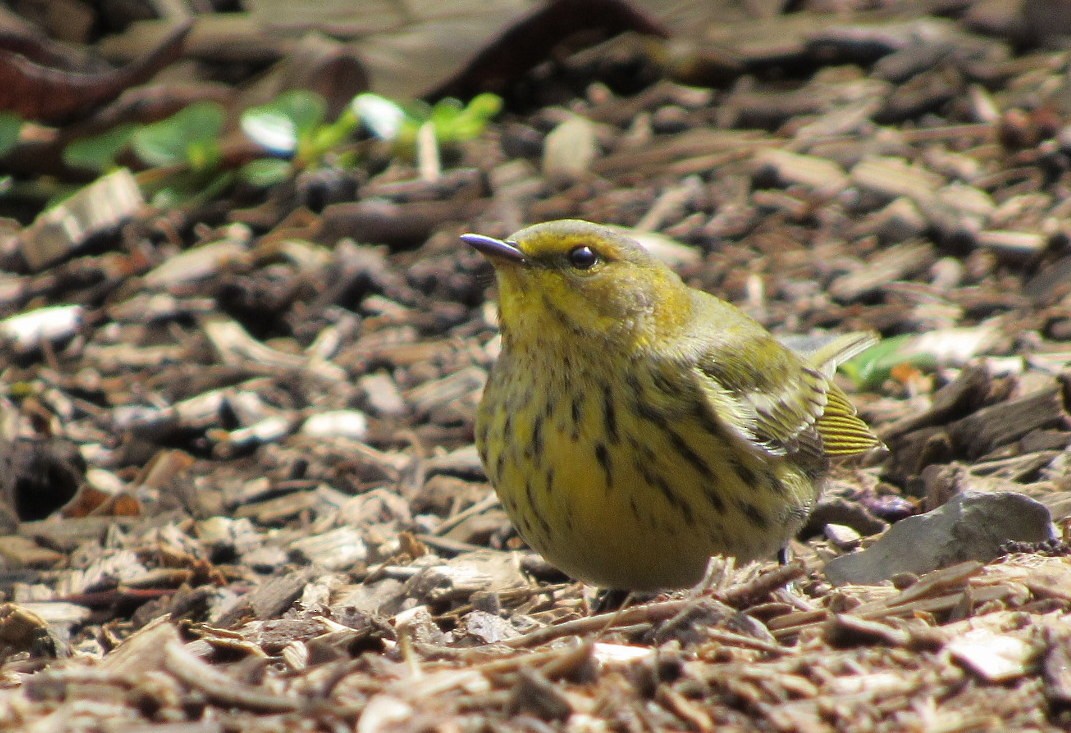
x=634 y=426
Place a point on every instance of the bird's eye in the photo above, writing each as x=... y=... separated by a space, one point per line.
x=583 y=258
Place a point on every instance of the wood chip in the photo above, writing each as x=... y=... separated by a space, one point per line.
x=994 y=657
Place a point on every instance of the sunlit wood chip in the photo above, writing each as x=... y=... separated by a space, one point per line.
x=336 y=424
x=196 y=264
x=31 y=330
x=620 y=653
x=65 y=227
x=992 y=656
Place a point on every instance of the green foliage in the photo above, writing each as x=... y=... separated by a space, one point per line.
x=456 y=123
x=265 y=172
x=184 y=156
x=292 y=127
x=99 y=152
x=10 y=124
x=188 y=142
x=190 y=137
x=872 y=367
x=452 y=121
x=284 y=125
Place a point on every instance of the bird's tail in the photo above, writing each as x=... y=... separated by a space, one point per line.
x=832 y=351
x=843 y=432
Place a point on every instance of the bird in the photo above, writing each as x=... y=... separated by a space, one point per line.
x=633 y=427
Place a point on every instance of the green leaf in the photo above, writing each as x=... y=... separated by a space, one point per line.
x=99 y=152
x=446 y=111
x=417 y=110
x=872 y=367
x=285 y=123
x=383 y=117
x=203 y=155
x=265 y=172
x=485 y=106
x=185 y=138
x=10 y=124
x=456 y=123
x=327 y=137
x=399 y=122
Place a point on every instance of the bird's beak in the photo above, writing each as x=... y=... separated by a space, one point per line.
x=496 y=250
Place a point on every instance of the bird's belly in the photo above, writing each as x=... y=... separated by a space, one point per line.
x=641 y=506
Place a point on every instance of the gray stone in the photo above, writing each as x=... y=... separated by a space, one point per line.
x=971 y=526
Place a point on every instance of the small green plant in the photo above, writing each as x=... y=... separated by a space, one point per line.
x=293 y=129
x=452 y=121
x=871 y=368
x=99 y=152
x=185 y=151
x=10 y=125
x=189 y=138
x=184 y=156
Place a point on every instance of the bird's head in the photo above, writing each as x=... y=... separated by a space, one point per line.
x=572 y=276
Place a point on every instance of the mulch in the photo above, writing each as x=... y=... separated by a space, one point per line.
x=239 y=490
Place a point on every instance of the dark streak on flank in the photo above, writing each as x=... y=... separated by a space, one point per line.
x=602 y=455
x=643 y=450
x=744 y=471
x=753 y=514
x=671 y=497
x=646 y=458
x=537 y=439
x=609 y=414
x=712 y=495
x=574 y=412
x=697 y=461
x=567 y=363
x=649 y=413
x=663 y=384
x=500 y=465
x=546 y=527
x=707 y=419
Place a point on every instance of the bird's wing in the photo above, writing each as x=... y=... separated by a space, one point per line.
x=788 y=405
x=775 y=407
